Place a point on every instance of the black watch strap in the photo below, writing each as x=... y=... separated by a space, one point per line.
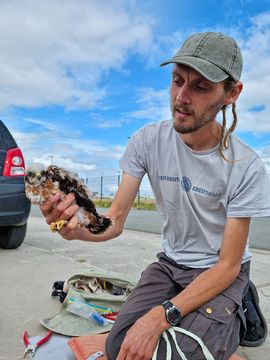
x=167 y=304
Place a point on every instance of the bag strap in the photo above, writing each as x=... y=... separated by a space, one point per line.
x=172 y=331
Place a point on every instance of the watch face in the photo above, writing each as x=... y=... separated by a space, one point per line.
x=174 y=316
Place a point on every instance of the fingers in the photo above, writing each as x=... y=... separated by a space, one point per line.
x=61 y=212
x=122 y=354
x=55 y=209
x=49 y=204
x=140 y=341
x=72 y=231
x=71 y=226
x=130 y=351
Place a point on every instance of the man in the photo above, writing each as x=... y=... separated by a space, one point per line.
x=207 y=186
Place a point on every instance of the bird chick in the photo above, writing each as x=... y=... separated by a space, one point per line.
x=40 y=184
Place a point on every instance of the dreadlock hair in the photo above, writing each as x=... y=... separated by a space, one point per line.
x=225 y=134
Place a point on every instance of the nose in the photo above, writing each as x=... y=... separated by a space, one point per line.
x=183 y=95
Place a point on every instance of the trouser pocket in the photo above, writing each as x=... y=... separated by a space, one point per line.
x=217 y=323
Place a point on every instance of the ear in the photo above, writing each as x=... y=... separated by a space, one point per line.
x=233 y=95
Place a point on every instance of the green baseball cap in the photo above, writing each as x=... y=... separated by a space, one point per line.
x=214 y=55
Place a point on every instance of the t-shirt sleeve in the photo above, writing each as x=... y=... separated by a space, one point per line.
x=133 y=160
x=252 y=196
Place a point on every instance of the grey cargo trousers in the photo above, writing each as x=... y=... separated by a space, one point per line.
x=219 y=328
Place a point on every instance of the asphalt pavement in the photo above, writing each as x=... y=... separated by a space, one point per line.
x=29 y=272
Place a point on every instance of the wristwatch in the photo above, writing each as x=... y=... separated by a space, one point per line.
x=173 y=314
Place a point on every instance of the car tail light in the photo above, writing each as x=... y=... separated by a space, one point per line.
x=14 y=163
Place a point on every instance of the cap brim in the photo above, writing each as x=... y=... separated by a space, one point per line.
x=205 y=68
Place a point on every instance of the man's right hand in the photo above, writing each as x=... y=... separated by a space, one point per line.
x=55 y=209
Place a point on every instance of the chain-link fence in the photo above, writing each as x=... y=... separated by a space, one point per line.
x=106 y=186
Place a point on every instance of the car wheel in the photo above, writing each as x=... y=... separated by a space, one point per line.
x=11 y=237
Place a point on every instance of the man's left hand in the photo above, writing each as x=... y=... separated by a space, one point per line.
x=142 y=338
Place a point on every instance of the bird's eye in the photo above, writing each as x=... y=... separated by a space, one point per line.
x=29 y=173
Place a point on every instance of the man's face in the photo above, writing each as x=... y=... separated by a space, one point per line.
x=195 y=101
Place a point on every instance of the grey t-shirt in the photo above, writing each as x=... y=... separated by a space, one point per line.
x=195 y=191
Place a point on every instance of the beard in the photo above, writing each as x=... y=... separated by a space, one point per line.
x=199 y=120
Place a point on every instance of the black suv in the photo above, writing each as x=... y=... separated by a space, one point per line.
x=14 y=206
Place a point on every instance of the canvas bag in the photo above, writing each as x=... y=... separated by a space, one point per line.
x=70 y=324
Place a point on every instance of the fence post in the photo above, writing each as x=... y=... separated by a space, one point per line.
x=118 y=180
x=101 y=188
x=138 y=197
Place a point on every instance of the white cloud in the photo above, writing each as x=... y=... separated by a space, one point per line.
x=256 y=76
x=101 y=122
x=153 y=105
x=264 y=153
x=44 y=124
x=71 y=153
x=55 y=52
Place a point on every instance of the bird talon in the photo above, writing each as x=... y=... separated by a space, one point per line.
x=56 y=226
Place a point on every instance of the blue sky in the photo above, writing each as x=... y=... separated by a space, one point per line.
x=78 y=77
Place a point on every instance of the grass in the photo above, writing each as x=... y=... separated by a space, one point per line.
x=139 y=204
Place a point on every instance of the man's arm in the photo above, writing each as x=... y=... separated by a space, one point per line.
x=54 y=209
x=142 y=338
